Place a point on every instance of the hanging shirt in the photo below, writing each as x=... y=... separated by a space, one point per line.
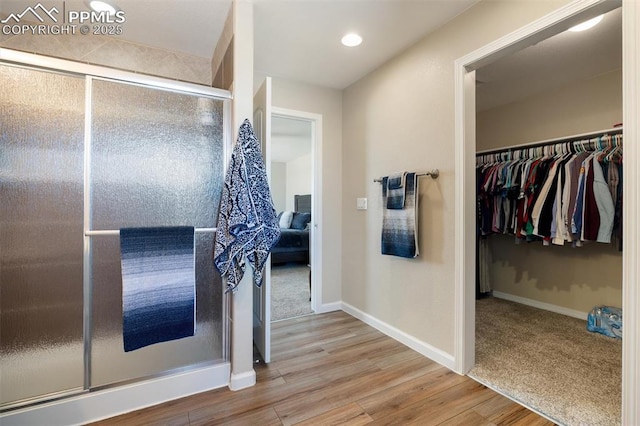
x=612 y=181
x=537 y=213
x=573 y=192
x=591 y=216
x=576 y=219
x=563 y=233
x=536 y=179
x=606 y=209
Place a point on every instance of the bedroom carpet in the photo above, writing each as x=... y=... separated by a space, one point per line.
x=289 y=291
x=549 y=362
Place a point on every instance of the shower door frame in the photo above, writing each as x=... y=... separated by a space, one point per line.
x=90 y=73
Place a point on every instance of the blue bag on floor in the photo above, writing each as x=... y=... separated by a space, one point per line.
x=605 y=320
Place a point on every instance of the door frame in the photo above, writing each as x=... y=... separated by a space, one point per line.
x=315 y=235
x=465 y=147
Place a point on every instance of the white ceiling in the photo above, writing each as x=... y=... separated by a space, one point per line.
x=300 y=40
x=552 y=63
x=294 y=39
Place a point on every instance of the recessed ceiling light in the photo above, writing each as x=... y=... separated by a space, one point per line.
x=351 y=40
x=587 y=24
x=103 y=6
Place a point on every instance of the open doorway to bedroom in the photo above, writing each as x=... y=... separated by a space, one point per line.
x=292 y=179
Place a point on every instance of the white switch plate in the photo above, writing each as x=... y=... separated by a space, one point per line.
x=361 y=203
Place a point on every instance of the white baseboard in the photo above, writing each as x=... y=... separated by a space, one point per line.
x=542 y=305
x=98 y=405
x=242 y=380
x=419 y=346
x=329 y=307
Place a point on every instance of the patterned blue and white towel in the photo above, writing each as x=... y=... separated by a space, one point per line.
x=158 y=285
x=248 y=226
x=396 y=191
x=400 y=226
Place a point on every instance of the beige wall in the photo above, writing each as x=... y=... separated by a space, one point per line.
x=328 y=103
x=580 y=107
x=114 y=53
x=401 y=117
x=222 y=59
x=574 y=278
x=298 y=178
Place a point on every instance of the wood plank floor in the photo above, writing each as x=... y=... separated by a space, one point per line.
x=333 y=369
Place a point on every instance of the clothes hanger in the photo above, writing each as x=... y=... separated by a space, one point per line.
x=616 y=152
x=605 y=147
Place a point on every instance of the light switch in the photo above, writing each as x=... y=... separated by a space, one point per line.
x=361 y=203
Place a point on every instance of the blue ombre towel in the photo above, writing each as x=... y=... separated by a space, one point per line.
x=396 y=190
x=158 y=285
x=400 y=227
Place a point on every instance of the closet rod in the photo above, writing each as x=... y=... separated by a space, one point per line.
x=574 y=138
x=433 y=173
x=117 y=231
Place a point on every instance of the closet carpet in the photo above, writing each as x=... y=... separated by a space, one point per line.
x=289 y=291
x=549 y=362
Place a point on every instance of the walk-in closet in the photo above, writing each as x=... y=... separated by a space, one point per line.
x=549 y=141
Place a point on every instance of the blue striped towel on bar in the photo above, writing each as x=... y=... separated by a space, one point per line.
x=396 y=191
x=158 y=285
x=400 y=227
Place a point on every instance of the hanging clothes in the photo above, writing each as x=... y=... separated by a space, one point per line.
x=558 y=194
x=604 y=203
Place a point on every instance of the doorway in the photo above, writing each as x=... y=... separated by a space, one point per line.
x=554 y=23
x=292 y=192
x=306 y=202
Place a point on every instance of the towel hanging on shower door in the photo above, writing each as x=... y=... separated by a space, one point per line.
x=158 y=285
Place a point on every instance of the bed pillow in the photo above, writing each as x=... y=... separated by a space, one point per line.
x=300 y=220
x=285 y=220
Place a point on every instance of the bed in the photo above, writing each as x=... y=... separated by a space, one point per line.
x=293 y=245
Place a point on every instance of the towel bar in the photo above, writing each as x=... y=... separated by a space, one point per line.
x=117 y=231
x=433 y=173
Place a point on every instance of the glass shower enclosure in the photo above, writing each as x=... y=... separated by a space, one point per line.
x=81 y=157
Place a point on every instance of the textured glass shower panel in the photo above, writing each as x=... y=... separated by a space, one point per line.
x=157 y=157
x=157 y=160
x=110 y=364
x=41 y=199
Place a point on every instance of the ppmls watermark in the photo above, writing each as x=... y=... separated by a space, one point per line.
x=60 y=21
